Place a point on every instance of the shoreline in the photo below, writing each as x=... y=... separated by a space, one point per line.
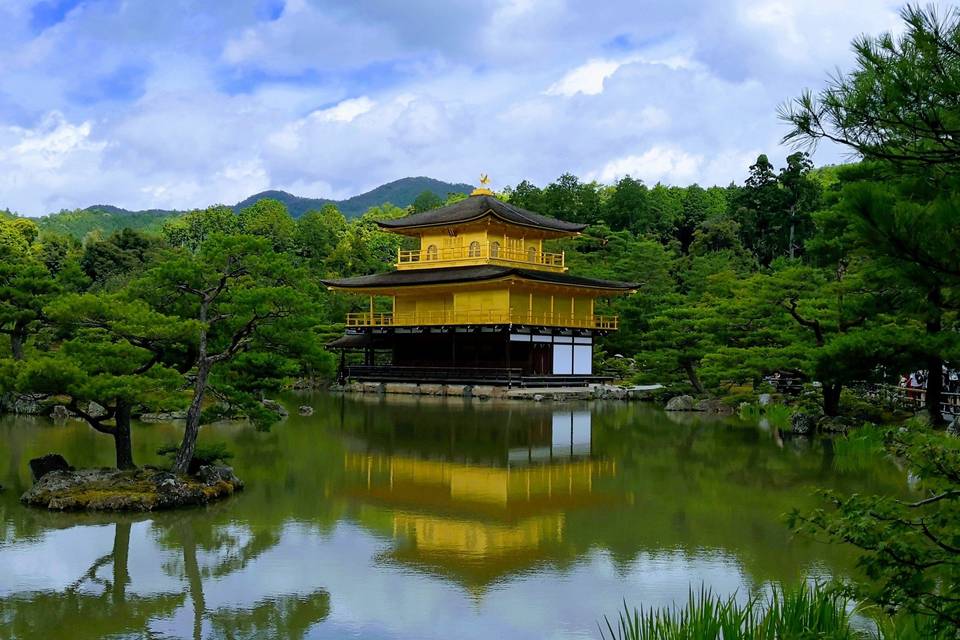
x=484 y=392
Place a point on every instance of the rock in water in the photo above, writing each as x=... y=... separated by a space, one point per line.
x=211 y=474
x=837 y=424
x=146 y=489
x=712 y=405
x=165 y=416
x=96 y=410
x=803 y=423
x=305 y=410
x=680 y=403
x=276 y=407
x=953 y=429
x=43 y=465
x=60 y=413
x=26 y=403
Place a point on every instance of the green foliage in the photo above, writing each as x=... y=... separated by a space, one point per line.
x=123 y=254
x=104 y=220
x=910 y=551
x=269 y=219
x=803 y=612
x=400 y=193
x=205 y=454
x=897 y=110
x=774 y=210
x=426 y=201
x=899 y=103
x=318 y=235
x=190 y=230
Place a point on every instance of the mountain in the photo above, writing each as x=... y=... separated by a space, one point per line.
x=107 y=218
x=400 y=193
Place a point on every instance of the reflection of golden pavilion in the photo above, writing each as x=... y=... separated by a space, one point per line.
x=477 y=521
x=469 y=538
x=460 y=486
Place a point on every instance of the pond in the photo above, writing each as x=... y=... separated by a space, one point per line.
x=403 y=517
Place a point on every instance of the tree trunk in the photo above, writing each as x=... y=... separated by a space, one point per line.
x=122 y=440
x=194 y=578
x=792 y=224
x=831 y=399
x=934 y=394
x=121 y=552
x=192 y=430
x=18 y=336
x=692 y=375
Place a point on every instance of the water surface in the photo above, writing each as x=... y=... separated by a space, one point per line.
x=405 y=517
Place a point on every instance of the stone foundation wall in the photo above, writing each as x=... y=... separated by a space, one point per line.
x=483 y=392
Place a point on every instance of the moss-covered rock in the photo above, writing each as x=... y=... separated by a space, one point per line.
x=147 y=489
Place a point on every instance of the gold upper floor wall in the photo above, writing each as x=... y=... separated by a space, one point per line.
x=490 y=303
x=485 y=242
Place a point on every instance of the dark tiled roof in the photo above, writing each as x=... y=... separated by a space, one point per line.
x=474 y=208
x=450 y=275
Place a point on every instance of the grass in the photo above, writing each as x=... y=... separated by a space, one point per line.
x=806 y=612
x=794 y=614
x=778 y=415
x=858 y=451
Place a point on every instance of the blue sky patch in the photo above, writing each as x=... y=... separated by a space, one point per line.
x=48 y=13
x=125 y=83
x=270 y=9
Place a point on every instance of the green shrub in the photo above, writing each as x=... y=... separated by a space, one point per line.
x=204 y=454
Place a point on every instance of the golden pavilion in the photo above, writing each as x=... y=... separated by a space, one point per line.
x=480 y=301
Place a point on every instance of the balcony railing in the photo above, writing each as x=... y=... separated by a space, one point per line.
x=366 y=319
x=478 y=252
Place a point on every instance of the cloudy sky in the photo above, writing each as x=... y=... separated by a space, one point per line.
x=182 y=103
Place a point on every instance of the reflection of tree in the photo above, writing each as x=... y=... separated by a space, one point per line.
x=283 y=617
x=232 y=549
x=97 y=604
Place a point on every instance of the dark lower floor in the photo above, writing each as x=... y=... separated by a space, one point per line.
x=491 y=355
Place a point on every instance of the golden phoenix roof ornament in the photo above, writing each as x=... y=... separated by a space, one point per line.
x=483 y=190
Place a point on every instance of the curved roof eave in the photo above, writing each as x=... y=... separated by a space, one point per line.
x=462 y=275
x=475 y=208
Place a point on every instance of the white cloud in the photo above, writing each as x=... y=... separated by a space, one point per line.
x=657 y=164
x=52 y=144
x=145 y=105
x=345 y=111
x=589 y=77
x=586 y=79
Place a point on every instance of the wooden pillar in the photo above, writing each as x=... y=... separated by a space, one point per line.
x=371 y=309
x=509 y=373
x=551 y=307
x=572 y=308
x=530 y=308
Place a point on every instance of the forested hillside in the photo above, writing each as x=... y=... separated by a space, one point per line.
x=400 y=193
x=105 y=219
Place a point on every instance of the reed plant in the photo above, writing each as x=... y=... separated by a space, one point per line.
x=777 y=415
x=806 y=612
x=802 y=613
